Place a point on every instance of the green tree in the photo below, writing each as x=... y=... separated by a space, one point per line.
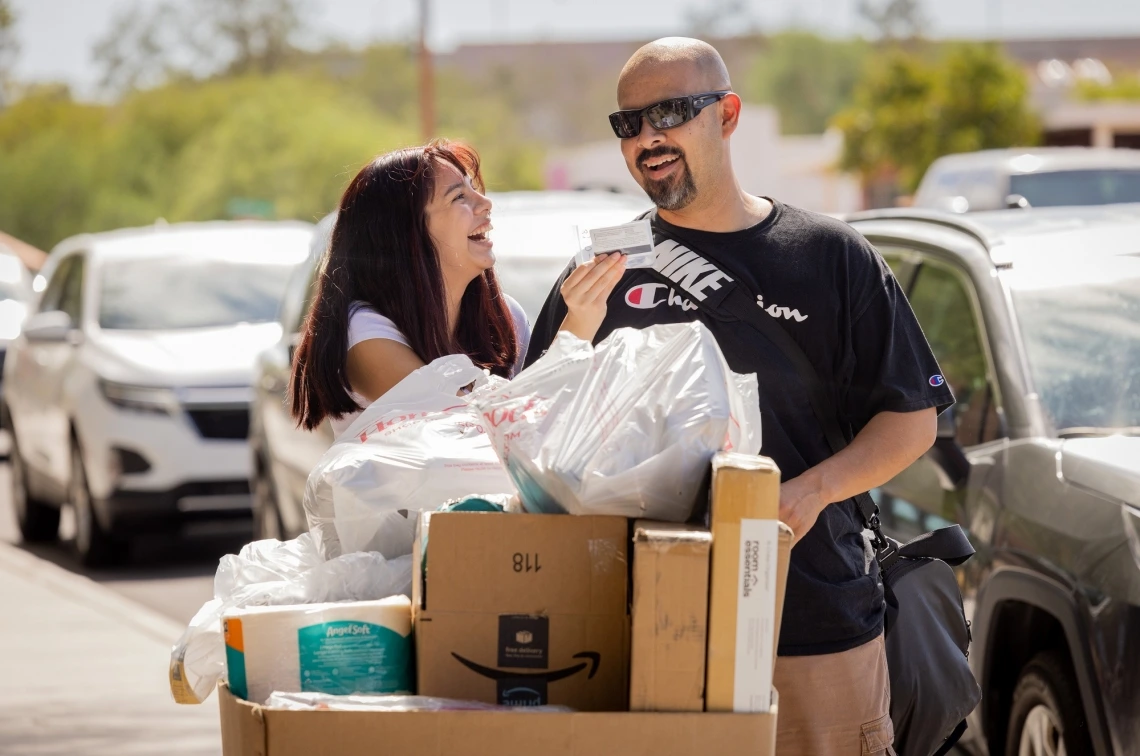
x=149 y=45
x=1125 y=88
x=9 y=48
x=183 y=152
x=48 y=148
x=290 y=141
x=807 y=78
x=909 y=111
x=894 y=19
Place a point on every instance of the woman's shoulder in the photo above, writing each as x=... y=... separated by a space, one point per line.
x=365 y=323
x=518 y=314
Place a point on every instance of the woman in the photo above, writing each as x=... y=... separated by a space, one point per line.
x=409 y=278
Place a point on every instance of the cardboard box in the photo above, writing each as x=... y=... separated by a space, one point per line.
x=750 y=555
x=669 y=617
x=523 y=609
x=252 y=730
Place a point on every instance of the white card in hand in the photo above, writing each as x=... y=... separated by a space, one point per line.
x=634 y=240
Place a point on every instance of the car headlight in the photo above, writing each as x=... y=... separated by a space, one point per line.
x=140 y=398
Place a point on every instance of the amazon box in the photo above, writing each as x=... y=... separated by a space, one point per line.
x=252 y=730
x=749 y=569
x=669 y=616
x=523 y=609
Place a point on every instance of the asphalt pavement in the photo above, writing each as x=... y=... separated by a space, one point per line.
x=84 y=654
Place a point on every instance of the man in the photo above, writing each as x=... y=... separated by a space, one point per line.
x=830 y=290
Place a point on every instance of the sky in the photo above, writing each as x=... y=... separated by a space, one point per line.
x=57 y=35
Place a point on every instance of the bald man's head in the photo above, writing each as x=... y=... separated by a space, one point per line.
x=670 y=67
x=686 y=158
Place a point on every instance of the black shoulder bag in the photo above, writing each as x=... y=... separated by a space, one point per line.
x=927 y=635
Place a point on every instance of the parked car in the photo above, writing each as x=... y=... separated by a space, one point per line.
x=1030 y=177
x=534 y=239
x=15 y=295
x=128 y=391
x=1034 y=316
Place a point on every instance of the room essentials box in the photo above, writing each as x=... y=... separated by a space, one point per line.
x=750 y=554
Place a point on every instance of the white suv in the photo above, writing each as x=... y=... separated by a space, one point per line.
x=128 y=392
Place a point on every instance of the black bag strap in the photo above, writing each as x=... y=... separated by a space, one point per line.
x=949 y=544
x=740 y=303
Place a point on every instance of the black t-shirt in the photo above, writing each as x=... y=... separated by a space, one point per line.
x=824 y=283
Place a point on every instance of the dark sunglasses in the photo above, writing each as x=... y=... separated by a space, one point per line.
x=663 y=115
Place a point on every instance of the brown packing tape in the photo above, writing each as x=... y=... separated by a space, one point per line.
x=664 y=537
x=179 y=686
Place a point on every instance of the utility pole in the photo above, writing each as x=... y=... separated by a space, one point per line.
x=427 y=79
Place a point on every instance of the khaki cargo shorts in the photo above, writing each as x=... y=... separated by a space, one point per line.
x=835 y=704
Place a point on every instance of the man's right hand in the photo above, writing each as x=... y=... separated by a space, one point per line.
x=585 y=292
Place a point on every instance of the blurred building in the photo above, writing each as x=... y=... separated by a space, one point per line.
x=799 y=170
x=1056 y=67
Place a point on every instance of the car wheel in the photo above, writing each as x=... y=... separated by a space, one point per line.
x=96 y=547
x=1047 y=717
x=266 y=516
x=38 y=520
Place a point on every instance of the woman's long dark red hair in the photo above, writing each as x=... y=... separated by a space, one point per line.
x=381 y=254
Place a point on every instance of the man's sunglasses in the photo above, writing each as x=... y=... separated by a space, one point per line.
x=663 y=115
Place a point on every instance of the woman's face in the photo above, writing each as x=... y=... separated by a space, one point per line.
x=459 y=221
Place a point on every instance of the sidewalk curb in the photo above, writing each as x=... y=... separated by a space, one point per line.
x=16 y=561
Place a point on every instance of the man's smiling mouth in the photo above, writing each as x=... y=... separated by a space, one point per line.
x=658 y=162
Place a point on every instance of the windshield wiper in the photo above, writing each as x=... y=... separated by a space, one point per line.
x=1091 y=432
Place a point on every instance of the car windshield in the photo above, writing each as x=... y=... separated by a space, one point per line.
x=1089 y=187
x=1081 y=329
x=170 y=293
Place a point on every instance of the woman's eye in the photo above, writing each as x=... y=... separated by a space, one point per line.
x=459 y=197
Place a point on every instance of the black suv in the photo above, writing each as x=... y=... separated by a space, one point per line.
x=1035 y=318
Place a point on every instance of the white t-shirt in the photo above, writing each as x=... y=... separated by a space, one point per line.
x=364 y=323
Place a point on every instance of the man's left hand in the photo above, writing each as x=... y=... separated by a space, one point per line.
x=801 y=501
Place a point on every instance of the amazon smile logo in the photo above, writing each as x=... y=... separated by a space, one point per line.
x=529 y=688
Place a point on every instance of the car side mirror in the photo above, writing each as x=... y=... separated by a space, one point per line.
x=948 y=455
x=1016 y=201
x=49 y=327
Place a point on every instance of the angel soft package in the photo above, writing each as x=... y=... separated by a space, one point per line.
x=340 y=648
x=275 y=573
x=418 y=446
x=624 y=428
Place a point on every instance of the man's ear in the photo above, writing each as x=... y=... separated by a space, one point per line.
x=729 y=109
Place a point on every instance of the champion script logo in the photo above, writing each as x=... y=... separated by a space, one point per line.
x=776 y=311
x=646 y=297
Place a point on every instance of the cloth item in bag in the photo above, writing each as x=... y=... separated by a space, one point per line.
x=928 y=642
x=274 y=573
x=624 y=428
x=418 y=446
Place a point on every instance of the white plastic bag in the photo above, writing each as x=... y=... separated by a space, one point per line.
x=275 y=573
x=625 y=428
x=418 y=446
